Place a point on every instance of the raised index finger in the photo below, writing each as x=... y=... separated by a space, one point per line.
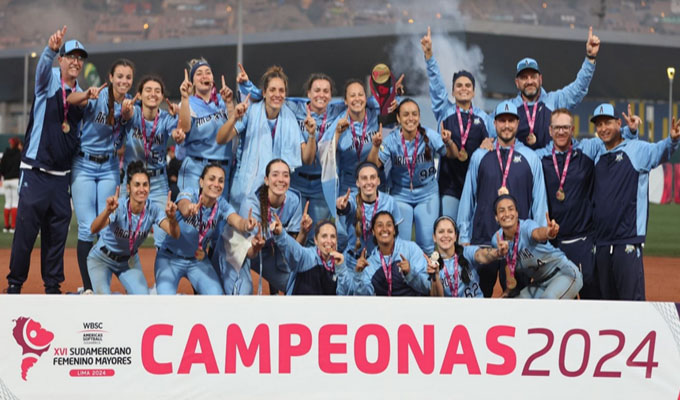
x=186 y=75
x=63 y=31
x=240 y=66
x=117 y=191
x=306 y=208
x=498 y=238
x=547 y=217
x=169 y=196
x=590 y=33
x=429 y=32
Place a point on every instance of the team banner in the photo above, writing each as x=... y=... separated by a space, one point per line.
x=205 y=347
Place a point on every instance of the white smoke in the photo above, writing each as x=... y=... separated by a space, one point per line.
x=448 y=48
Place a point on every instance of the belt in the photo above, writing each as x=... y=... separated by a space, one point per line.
x=538 y=282
x=113 y=256
x=177 y=255
x=100 y=159
x=155 y=172
x=223 y=162
x=309 y=177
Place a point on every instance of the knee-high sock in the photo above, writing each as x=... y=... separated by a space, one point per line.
x=83 y=249
x=14 y=218
x=7 y=222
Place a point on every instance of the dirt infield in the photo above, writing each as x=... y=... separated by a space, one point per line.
x=662 y=275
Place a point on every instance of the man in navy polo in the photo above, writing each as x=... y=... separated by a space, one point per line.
x=51 y=142
x=620 y=197
x=511 y=168
x=534 y=104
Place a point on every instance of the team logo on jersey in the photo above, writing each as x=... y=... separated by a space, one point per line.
x=630 y=248
x=619 y=157
x=517 y=159
x=477 y=121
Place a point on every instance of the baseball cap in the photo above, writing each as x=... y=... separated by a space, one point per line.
x=506 y=107
x=603 y=110
x=71 y=46
x=527 y=63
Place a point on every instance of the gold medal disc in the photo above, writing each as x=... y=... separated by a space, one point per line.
x=65 y=127
x=531 y=139
x=503 y=190
x=560 y=195
x=200 y=254
x=462 y=155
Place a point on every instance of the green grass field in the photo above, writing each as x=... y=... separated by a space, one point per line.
x=663 y=233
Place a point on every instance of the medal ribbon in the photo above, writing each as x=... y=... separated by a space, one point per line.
x=203 y=232
x=330 y=269
x=566 y=166
x=507 y=163
x=364 y=223
x=387 y=269
x=359 y=145
x=269 y=212
x=63 y=96
x=512 y=262
x=322 y=128
x=531 y=119
x=133 y=237
x=464 y=136
x=452 y=286
x=276 y=121
x=411 y=167
x=148 y=142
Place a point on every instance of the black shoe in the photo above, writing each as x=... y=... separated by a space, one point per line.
x=52 y=290
x=13 y=289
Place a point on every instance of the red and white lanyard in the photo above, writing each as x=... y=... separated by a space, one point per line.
x=453 y=286
x=133 y=236
x=410 y=164
x=505 y=171
x=148 y=142
x=387 y=269
x=359 y=144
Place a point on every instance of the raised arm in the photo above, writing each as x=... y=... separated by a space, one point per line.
x=102 y=219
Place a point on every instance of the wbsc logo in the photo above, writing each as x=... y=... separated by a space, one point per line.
x=33 y=339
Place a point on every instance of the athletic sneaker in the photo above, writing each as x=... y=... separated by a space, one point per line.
x=13 y=289
x=11 y=230
x=5 y=230
x=88 y=291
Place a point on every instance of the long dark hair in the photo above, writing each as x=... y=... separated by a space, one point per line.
x=318 y=76
x=263 y=195
x=210 y=165
x=458 y=249
x=428 y=151
x=375 y=218
x=120 y=62
x=137 y=167
x=358 y=220
x=153 y=78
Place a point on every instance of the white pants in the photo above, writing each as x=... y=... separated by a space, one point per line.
x=11 y=191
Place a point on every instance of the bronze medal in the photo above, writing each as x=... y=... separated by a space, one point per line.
x=462 y=155
x=510 y=280
x=199 y=254
x=503 y=190
x=560 y=194
x=531 y=139
x=65 y=127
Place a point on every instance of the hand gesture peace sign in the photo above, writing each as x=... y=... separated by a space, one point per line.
x=633 y=121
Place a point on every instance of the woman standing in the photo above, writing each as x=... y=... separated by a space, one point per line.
x=9 y=169
x=123 y=228
x=395 y=267
x=200 y=210
x=452 y=268
x=95 y=173
x=268 y=130
x=525 y=247
x=411 y=150
x=147 y=138
x=467 y=123
x=205 y=112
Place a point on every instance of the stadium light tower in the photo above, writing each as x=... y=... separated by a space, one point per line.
x=671 y=73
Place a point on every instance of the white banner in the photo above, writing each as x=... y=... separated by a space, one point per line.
x=203 y=347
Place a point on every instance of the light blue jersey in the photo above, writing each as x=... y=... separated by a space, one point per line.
x=424 y=178
x=134 y=144
x=187 y=244
x=375 y=281
x=452 y=279
x=206 y=120
x=350 y=151
x=536 y=259
x=116 y=235
x=98 y=137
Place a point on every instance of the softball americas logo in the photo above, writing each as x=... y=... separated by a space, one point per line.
x=33 y=339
